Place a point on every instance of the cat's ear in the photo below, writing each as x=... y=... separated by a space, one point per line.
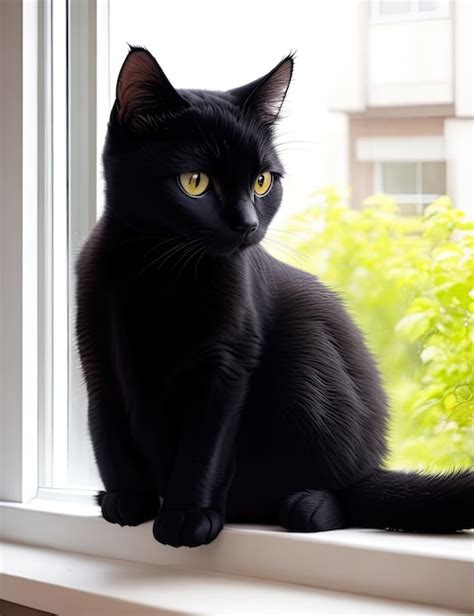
x=265 y=96
x=143 y=88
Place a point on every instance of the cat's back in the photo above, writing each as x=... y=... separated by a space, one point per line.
x=306 y=318
x=95 y=254
x=295 y=293
x=110 y=259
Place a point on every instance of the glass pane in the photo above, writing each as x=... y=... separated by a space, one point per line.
x=433 y=178
x=394 y=7
x=399 y=178
x=428 y=5
x=82 y=181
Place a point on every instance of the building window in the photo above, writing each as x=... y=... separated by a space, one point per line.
x=394 y=7
x=414 y=185
x=406 y=10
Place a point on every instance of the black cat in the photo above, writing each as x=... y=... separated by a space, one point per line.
x=223 y=384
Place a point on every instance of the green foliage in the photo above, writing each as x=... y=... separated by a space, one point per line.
x=408 y=282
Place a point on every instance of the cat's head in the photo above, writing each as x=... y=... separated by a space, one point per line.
x=194 y=164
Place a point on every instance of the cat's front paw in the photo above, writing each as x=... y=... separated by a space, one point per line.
x=128 y=509
x=187 y=527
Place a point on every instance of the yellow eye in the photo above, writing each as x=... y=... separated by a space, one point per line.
x=194 y=183
x=263 y=184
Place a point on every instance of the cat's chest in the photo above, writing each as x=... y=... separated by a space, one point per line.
x=162 y=319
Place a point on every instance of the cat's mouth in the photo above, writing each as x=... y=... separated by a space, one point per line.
x=229 y=250
x=247 y=243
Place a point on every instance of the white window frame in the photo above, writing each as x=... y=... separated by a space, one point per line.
x=373 y=563
x=414 y=14
x=408 y=149
x=18 y=244
x=431 y=570
x=67 y=210
x=53 y=302
x=34 y=320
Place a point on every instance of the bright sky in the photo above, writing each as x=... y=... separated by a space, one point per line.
x=218 y=45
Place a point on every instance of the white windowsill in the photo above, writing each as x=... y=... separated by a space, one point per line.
x=429 y=570
x=69 y=583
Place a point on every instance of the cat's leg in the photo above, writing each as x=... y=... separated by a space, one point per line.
x=196 y=493
x=131 y=493
x=312 y=511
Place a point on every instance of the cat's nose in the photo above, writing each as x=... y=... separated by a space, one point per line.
x=246 y=229
x=243 y=218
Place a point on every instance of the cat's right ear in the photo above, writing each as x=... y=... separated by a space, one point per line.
x=264 y=97
x=143 y=88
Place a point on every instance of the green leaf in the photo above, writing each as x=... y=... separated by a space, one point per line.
x=408 y=283
x=414 y=326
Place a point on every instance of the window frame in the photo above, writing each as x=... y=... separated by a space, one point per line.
x=67 y=210
x=415 y=14
x=350 y=561
x=388 y=565
x=54 y=246
x=18 y=241
x=37 y=156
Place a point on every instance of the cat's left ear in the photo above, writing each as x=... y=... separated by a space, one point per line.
x=265 y=96
x=143 y=88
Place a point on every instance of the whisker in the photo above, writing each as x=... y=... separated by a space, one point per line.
x=190 y=257
x=189 y=249
x=283 y=249
x=166 y=241
x=287 y=247
x=198 y=261
x=162 y=258
x=271 y=235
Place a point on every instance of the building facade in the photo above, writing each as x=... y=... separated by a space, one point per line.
x=405 y=80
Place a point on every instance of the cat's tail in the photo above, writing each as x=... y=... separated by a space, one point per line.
x=411 y=501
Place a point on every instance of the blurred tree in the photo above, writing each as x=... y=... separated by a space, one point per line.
x=408 y=282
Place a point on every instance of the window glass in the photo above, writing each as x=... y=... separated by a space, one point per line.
x=428 y=5
x=394 y=7
x=433 y=178
x=399 y=178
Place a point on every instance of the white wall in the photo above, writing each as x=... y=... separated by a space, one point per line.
x=464 y=53
x=425 y=148
x=411 y=63
x=459 y=141
x=10 y=247
x=348 y=77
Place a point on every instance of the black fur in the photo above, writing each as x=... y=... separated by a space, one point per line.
x=222 y=383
